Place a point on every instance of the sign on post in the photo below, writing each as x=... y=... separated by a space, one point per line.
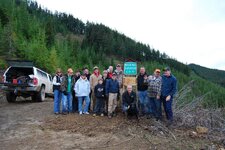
x=130 y=68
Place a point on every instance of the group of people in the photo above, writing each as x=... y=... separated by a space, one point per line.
x=83 y=92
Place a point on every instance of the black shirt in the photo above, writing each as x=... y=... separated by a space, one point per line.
x=142 y=86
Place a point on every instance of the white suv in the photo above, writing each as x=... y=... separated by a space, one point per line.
x=23 y=79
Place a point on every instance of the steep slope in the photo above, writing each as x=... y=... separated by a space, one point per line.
x=214 y=75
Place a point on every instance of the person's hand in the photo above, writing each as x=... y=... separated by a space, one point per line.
x=145 y=77
x=168 y=98
x=158 y=97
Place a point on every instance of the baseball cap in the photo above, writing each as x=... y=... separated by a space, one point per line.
x=95 y=68
x=166 y=69
x=157 y=70
x=70 y=70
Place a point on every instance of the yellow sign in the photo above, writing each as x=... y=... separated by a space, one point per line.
x=129 y=81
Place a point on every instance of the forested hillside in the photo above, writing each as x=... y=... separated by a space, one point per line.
x=214 y=75
x=57 y=39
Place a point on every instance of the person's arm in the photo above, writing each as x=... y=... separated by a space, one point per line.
x=159 y=88
x=174 y=87
x=118 y=87
x=107 y=87
x=62 y=86
x=124 y=100
x=76 y=87
x=91 y=82
x=54 y=81
x=95 y=90
x=89 y=88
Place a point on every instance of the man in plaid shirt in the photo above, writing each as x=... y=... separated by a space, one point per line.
x=154 y=93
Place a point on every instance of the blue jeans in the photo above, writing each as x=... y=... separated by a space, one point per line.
x=57 y=101
x=143 y=100
x=80 y=103
x=168 y=107
x=156 y=107
x=67 y=102
x=99 y=105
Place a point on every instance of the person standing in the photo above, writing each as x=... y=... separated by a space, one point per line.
x=93 y=82
x=110 y=72
x=66 y=88
x=82 y=90
x=56 y=90
x=100 y=98
x=75 y=99
x=86 y=71
x=119 y=77
x=142 y=91
x=154 y=93
x=105 y=79
x=168 y=90
x=112 y=90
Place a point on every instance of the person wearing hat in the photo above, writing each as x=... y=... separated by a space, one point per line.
x=168 y=90
x=75 y=99
x=56 y=89
x=110 y=72
x=93 y=82
x=66 y=88
x=119 y=77
x=154 y=93
x=112 y=90
x=100 y=98
x=82 y=90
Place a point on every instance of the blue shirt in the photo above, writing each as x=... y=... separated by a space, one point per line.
x=112 y=86
x=169 y=85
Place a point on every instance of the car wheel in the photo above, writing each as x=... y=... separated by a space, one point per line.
x=10 y=97
x=41 y=94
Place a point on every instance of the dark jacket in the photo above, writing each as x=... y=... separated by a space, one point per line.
x=129 y=99
x=112 y=86
x=169 y=85
x=88 y=76
x=64 y=83
x=99 y=91
x=56 y=82
x=142 y=85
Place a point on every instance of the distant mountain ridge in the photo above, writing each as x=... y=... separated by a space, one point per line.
x=214 y=75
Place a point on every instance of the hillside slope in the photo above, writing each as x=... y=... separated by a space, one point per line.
x=214 y=75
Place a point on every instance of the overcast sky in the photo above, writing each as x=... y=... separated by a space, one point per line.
x=192 y=31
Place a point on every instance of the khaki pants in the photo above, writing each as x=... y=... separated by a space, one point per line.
x=93 y=101
x=119 y=103
x=112 y=103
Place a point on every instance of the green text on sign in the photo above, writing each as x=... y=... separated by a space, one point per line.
x=130 y=68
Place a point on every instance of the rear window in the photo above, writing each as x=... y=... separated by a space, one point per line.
x=17 y=72
x=41 y=73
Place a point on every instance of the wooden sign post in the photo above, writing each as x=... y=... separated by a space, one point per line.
x=130 y=75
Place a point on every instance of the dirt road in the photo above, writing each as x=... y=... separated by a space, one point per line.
x=29 y=125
